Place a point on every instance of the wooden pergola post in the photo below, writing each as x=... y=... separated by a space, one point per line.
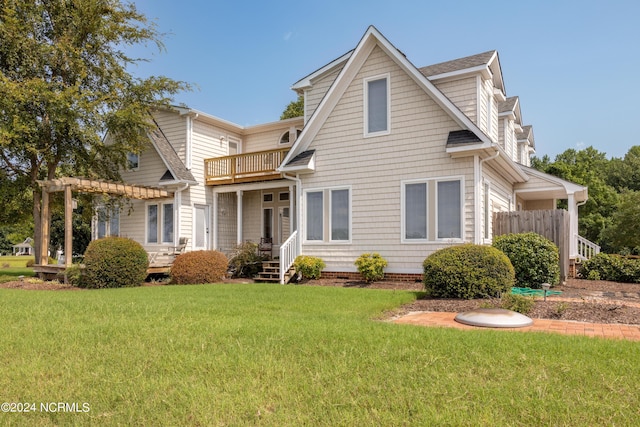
x=44 y=227
x=68 y=226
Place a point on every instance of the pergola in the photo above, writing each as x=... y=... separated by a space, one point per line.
x=83 y=185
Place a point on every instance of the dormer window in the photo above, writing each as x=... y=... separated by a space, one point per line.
x=376 y=106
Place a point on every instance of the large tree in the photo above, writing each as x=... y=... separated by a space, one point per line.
x=64 y=81
x=586 y=167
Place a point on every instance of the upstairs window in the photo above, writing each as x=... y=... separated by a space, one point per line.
x=133 y=161
x=376 y=106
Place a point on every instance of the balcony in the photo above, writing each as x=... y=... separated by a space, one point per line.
x=247 y=167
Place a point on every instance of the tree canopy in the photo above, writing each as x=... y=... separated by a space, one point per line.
x=64 y=82
x=609 y=216
x=294 y=109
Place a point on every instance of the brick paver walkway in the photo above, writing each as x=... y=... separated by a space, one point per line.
x=614 y=331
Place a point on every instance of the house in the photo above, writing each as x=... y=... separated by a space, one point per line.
x=389 y=157
x=24 y=248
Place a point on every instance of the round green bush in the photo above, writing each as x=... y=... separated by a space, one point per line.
x=309 y=267
x=535 y=259
x=371 y=266
x=610 y=267
x=467 y=271
x=199 y=267
x=114 y=262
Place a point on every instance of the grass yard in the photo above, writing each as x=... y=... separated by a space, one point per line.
x=14 y=266
x=292 y=355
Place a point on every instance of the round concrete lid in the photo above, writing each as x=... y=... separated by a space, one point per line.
x=494 y=318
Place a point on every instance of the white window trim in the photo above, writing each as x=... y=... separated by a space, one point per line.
x=451 y=239
x=305 y=192
x=350 y=210
x=133 y=169
x=160 y=219
x=326 y=215
x=403 y=216
x=430 y=209
x=366 y=81
x=487 y=228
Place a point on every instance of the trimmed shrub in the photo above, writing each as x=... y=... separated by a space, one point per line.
x=199 y=267
x=245 y=261
x=114 y=262
x=467 y=271
x=535 y=259
x=518 y=303
x=614 y=268
x=309 y=267
x=371 y=266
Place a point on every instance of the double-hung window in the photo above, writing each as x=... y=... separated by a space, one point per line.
x=160 y=223
x=328 y=215
x=431 y=210
x=107 y=221
x=376 y=106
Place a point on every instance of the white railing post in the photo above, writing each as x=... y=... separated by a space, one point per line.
x=288 y=254
x=585 y=248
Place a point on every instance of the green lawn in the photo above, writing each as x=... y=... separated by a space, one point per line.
x=292 y=356
x=14 y=266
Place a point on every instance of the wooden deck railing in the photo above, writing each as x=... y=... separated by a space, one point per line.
x=247 y=167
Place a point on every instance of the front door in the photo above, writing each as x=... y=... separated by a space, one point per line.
x=201 y=228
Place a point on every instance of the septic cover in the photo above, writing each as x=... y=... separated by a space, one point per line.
x=494 y=318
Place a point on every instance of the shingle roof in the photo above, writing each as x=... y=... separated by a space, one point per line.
x=527 y=134
x=458 y=137
x=301 y=159
x=171 y=158
x=457 y=64
x=507 y=105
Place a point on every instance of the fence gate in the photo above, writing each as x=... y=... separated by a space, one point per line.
x=552 y=224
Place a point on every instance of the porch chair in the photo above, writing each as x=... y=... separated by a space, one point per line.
x=265 y=246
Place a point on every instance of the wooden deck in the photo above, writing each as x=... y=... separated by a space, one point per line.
x=247 y=167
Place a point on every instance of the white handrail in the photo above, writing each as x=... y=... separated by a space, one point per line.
x=586 y=248
x=288 y=254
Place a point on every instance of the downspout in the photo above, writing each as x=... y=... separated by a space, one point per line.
x=478 y=227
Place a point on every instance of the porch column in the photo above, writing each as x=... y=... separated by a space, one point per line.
x=292 y=217
x=215 y=222
x=239 y=219
x=573 y=226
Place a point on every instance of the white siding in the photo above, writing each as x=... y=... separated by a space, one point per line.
x=319 y=89
x=375 y=167
x=463 y=93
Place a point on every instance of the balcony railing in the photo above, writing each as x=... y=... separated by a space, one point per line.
x=247 y=167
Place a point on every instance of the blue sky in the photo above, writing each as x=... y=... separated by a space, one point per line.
x=574 y=64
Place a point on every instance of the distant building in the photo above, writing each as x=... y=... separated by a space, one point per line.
x=24 y=248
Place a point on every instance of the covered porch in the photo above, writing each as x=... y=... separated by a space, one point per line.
x=542 y=192
x=255 y=212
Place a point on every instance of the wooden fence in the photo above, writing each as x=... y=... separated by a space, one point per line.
x=552 y=224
